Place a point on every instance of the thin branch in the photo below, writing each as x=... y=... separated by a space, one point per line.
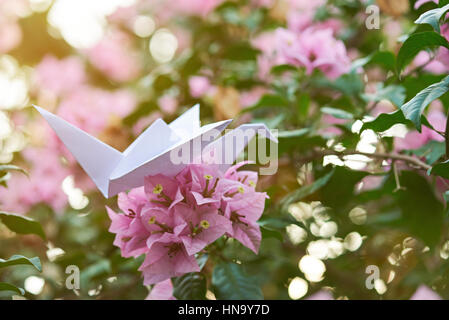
x=385 y=156
x=396 y=177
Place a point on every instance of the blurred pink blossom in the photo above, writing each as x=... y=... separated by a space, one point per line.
x=115 y=57
x=168 y=104
x=425 y=293
x=89 y=108
x=10 y=35
x=42 y=186
x=331 y=121
x=298 y=21
x=305 y=5
x=414 y=139
x=314 y=49
x=196 y=7
x=251 y=97
x=199 y=86
x=321 y=295
x=60 y=76
x=371 y=182
x=269 y=57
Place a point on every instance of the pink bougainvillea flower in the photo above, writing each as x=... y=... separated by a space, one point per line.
x=171 y=219
x=161 y=291
x=244 y=211
x=162 y=191
x=132 y=202
x=243 y=176
x=131 y=234
x=204 y=226
x=203 y=183
x=166 y=258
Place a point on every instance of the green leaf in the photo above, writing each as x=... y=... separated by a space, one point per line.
x=22 y=225
x=384 y=121
x=305 y=191
x=414 y=108
x=392 y=93
x=276 y=223
x=9 y=287
x=422 y=213
x=18 y=259
x=241 y=51
x=303 y=105
x=99 y=268
x=191 y=286
x=201 y=259
x=270 y=233
x=440 y=169
x=280 y=69
x=339 y=191
x=230 y=282
x=293 y=133
x=267 y=101
x=272 y=100
x=337 y=113
x=433 y=17
x=416 y=43
x=386 y=59
x=348 y=84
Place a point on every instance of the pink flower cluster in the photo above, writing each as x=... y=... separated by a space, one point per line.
x=312 y=48
x=170 y=219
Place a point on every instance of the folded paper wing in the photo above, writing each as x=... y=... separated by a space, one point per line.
x=225 y=150
x=153 y=152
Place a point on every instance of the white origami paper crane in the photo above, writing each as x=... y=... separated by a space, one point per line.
x=152 y=152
